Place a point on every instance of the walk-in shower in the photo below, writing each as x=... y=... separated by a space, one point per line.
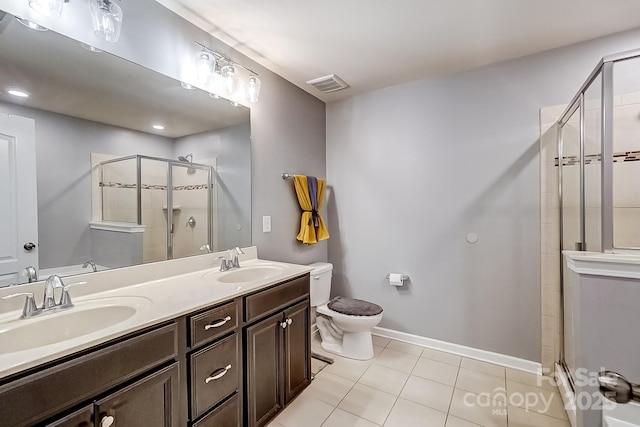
x=598 y=169
x=173 y=202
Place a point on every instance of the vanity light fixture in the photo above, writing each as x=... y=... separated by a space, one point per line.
x=227 y=74
x=205 y=66
x=50 y=8
x=31 y=24
x=107 y=19
x=253 y=89
x=15 y=91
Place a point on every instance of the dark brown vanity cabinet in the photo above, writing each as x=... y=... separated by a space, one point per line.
x=131 y=379
x=277 y=349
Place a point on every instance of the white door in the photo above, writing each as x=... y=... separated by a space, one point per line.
x=18 y=197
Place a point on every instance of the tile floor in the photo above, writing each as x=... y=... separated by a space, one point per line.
x=405 y=385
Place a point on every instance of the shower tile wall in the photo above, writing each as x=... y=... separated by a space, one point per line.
x=154 y=212
x=626 y=201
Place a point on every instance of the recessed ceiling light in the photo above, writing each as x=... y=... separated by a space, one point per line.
x=158 y=127
x=31 y=24
x=234 y=104
x=214 y=95
x=186 y=86
x=20 y=93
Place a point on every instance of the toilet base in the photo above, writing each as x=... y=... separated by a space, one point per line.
x=355 y=345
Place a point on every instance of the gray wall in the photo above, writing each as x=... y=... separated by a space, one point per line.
x=416 y=167
x=287 y=125
x=231 y=146
x=63 y=167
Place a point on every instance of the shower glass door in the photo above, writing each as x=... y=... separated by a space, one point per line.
x=190 y=228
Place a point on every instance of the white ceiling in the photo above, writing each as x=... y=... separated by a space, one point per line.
x=373 y=44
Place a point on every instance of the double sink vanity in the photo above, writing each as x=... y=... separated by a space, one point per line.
x=175 y=343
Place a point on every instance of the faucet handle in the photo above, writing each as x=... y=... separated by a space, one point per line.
x=30 y=309
x=65 y=299
x=224 y=266
x=205 y=248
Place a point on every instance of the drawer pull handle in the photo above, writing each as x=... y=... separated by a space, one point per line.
x=217 y=323
x=217 y=374
x=107 y=421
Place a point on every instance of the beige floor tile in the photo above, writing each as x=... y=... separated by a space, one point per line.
x=381 y=341
x=484 y=367
x=340 y=418
x=429 y=393
x=536 y=399
x=519 y=417
x=377 y=349
x=528 y=378
x=317 y=366
x=274 y=424
x=347 y=368
x=367 y=402
x=436 y=371
x=471 y=407
x=304 y=411
x=396 y=360
x=404 y=347
x=481 y=383
x=329 y=388
x=441 y=356
x=384 y=379
x=406 y=413
x=459 y=422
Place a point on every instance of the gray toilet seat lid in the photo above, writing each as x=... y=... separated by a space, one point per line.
x=354 y=307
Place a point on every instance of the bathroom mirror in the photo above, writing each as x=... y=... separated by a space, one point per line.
x=92 y=106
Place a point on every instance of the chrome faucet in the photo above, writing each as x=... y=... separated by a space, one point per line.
x=206 y=248
x=233 y=257
x=30 y=273
x=92 y=264
x=48 y=300
x=49 y=303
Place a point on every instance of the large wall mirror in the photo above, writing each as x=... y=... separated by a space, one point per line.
x=130 y=166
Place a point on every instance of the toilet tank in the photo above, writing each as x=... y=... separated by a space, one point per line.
x=320 y=283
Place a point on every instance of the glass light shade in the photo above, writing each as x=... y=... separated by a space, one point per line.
x=205 y=66
x=52 y=8
x=107 y=19
x=230 y=77
x=253 y=89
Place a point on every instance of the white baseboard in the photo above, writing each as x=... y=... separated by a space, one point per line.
x=461 y=350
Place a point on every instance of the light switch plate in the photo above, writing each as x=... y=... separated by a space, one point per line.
x=266 y=224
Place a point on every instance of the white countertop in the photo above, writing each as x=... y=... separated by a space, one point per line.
x=161 y=299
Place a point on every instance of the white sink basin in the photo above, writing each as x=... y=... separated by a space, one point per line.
x=83 y=319
x=250 y=274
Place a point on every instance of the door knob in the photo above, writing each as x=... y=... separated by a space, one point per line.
x=29 y=246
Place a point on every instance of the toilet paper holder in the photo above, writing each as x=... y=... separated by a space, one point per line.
x=404 y=277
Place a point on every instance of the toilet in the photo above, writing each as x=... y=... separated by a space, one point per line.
x=344 y=324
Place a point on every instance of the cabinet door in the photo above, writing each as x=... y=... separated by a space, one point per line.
x=152 y=401
x=263 y=370
x=297 y=347
x=80 y=418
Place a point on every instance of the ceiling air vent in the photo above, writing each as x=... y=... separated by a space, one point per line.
x=330 y=83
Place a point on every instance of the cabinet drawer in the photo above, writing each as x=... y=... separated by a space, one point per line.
x=212 y=323
x=51 y=391
x=227 y=415
x=215 y=374
x=275 y=298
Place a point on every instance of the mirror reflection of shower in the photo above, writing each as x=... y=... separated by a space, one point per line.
x=157 y=196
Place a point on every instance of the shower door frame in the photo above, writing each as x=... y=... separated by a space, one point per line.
x=604 y=69
x=170 y=163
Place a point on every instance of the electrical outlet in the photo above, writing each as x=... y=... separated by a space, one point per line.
x=266 y=224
